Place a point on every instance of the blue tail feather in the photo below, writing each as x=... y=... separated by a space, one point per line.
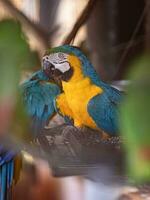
x=3 y=182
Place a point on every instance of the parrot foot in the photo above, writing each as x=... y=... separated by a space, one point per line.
x=105 y=135
x=114 y=141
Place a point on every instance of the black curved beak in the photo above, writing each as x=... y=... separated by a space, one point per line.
x=51 y=72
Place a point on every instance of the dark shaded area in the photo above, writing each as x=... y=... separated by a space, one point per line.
x=147 y=26
x=102 y=36
x=129 y=13
x=75 y=152
x=110 y=29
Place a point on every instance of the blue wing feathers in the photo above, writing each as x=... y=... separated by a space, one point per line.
x=103 y=109
x=6 y=171
x=38 y=96
x=3 y=183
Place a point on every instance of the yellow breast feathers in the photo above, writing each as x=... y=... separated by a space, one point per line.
x=77 y=93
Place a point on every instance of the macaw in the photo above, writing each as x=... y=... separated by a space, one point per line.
x=85 y=99
x=15 y=55
x=39 y=93
x=6 y=171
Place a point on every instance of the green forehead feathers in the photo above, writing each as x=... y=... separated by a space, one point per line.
x=58 y=49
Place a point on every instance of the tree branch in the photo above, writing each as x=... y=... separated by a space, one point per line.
x=130 y=43
x=35 y=28
x=40 y=32
x=81 y=20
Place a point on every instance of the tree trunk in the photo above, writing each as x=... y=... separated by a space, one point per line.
x=102 y=36
x=48 y=14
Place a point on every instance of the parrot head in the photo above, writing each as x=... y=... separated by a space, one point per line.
x=67 y=63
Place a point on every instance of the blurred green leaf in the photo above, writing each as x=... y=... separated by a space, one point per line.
x=15 y=54
x=135 y=124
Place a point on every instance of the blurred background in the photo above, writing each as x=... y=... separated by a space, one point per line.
x=114 y=35
x=113 y=28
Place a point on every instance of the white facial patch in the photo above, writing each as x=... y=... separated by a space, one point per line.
x=59 y=60
x=63 y=67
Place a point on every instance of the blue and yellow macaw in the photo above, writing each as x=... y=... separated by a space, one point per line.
x=6 y=172
x=85 y=99
x=39 y=93
x=10 y=165
x=15 y=55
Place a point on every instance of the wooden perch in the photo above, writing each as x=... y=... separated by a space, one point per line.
x=35 y=28
x=80 y=21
